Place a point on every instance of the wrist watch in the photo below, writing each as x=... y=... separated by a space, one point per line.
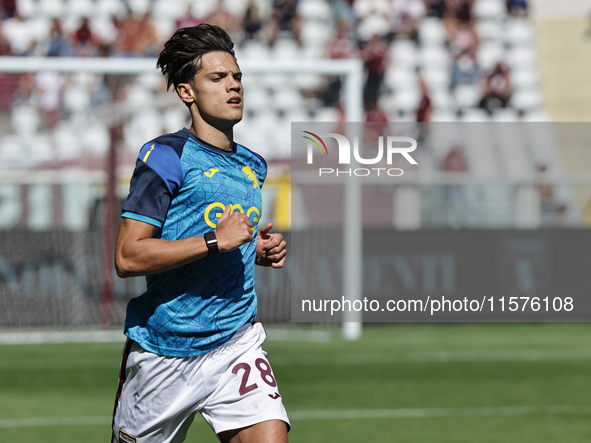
x=212 y=243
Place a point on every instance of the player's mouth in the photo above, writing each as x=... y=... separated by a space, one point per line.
x=235 y=101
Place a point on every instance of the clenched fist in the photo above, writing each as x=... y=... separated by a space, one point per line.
x=271 y=248
x=233 y=230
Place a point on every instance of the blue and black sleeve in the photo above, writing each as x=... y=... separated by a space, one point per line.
x=157 y=178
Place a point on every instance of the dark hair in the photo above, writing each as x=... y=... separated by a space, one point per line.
x=180 y=59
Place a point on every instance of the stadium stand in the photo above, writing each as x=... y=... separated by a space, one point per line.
x=431 y=46
x=466 y=60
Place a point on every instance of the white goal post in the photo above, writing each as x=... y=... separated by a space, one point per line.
x=350 y=70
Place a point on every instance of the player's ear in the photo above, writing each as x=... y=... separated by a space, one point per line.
x=186 y=93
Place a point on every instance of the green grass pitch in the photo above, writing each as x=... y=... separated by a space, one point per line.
x=410 y=383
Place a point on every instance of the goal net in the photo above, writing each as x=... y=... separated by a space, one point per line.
x=70 y=130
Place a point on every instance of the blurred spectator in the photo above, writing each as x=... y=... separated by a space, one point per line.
x=128 y=30
x=8 y=85
x=406 y=18
x=50 y=86
x=375 y=114
x=340 y=47
x=377 y=120
x=517 y=8
x=104 y=50
x=465 y=37
x=26 y=86
x=111 y=89
x=435 y=8
x=553 y=213
x=463 y=10
x=454 y=160
x=285 y=18
x=329 y=94
x=109 y=85
x=20 y=33
x=7 y=8
x=188 y=20
x=423 y=112
x=252 y=21
x=465 y=68
x=225 y=19
x=148 y=36
x=136 y=37
x=546 y=190
x=497 y=88
x=375 y=59
x=57 y=43
x=83 y=40
x=457 y=203
x=425 y=108
x=457 y=14
x=4 y=44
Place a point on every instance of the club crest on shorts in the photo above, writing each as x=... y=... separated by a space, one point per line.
x=126 y=438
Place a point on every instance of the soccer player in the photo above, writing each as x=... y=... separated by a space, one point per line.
x=190 y=224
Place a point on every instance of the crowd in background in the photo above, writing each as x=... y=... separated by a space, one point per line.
x=126 y=36
x=363 y=29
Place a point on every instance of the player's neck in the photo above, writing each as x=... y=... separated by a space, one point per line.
x=220 y=138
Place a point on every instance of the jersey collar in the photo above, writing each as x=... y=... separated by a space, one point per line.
x=209 y=145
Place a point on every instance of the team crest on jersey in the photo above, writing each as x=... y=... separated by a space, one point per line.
x=251 y=176
x=126 y=438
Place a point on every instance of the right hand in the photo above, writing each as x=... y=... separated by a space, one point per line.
x=233 y=230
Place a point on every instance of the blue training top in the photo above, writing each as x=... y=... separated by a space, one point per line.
x=182 y=184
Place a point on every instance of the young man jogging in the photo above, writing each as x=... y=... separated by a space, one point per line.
x=190 y=224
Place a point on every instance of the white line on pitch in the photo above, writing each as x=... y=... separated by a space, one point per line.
x=523 y=355
x=54 y=421
x=43 y=337
x=302 y=335
x=57 y=337
x=517 y=355
x=507 y=411
x=350 y=414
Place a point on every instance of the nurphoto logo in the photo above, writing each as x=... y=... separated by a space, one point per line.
x=387 y=147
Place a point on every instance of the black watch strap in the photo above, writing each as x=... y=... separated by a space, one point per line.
x=212 y=243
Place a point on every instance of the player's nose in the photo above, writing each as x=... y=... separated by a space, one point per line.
x=234 y=85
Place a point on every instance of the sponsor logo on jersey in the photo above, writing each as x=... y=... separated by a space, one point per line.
x=253 y=213
x=275 y=396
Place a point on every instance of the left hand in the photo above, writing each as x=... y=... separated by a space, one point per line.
x=271 y=248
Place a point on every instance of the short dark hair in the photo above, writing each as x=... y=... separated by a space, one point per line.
x=181 y=57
